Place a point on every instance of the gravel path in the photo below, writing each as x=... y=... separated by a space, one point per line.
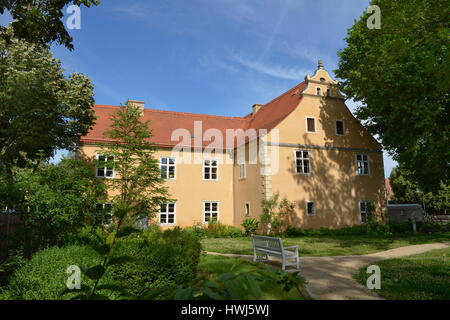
x=330 y=278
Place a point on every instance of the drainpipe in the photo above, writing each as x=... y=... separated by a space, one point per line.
x=234 y=190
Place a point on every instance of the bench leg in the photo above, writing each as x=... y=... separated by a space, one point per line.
x=254 y=255
x=283 y=263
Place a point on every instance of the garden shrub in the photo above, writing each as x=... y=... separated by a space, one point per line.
x=158 y=259
x=87 y=235
x=44 y=276
x=371 y=228
x=162 y=259
x=250 y=225
x=214 y=230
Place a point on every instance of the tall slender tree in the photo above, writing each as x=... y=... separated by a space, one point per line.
x=137 y=186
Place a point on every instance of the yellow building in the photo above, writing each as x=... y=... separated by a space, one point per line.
x=305 y=145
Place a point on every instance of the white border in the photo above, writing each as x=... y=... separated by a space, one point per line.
x=203 y=169
x=175 y=164
x=295 y=161
x=174 y=215
x=96 y=168
x=356 y=164
x=203 y=209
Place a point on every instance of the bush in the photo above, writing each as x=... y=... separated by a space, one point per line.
x=44 y=276
x=87 y=235
x=159 y=259
x=250 y=225
x=214 y=230
x=166 y=258
x=371 y=228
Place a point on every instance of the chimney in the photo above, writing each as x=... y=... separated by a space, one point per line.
x=139 y=104
x=255 y=108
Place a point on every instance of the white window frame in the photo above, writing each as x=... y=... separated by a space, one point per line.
x=343 y=127
x=168 y=165
x=105 y=168
x=363 y=211
x=362 y=161
x=103 y=216
x=210 y=168
x=247 y=209
x=315 y=124
x=242 y=171
x=313 y=208
x=302 y=159
x=211 y=211
x=167 y=213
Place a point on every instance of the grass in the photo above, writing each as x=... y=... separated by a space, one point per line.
x=423 y=276
x=328 y=245
x=216 y=265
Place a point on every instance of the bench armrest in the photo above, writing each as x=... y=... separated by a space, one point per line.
x=291 y=247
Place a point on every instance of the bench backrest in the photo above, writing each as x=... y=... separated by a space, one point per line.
x=270 y=243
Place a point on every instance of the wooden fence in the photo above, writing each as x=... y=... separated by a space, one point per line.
x=7 y=222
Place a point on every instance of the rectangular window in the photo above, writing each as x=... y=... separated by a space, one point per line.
x=210 y=170
x=167 y=213
x=310 y=124
x=328 y=93
x=105 y=166
x=103 y=214
x=247 y=209
x=340 y=127
x=167 y=166
x=210 y=211
x=242 y=171
x=362 y=164
x=302 y=162
x=365 y=211
x=310 y=210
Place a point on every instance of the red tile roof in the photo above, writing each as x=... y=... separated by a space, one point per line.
x=163 y=123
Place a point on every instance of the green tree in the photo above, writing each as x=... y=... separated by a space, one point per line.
x=53 y=200
x=40 y=109
x=137 y=185
x=137 y=188
x=40 y=21
x=408 y=191
x=400 y=75
x=275 y=211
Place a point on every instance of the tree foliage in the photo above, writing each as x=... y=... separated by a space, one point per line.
x=275 y=213
x=40 y=109
x=40 y=21
x=400 y=75
x=408 y=191
x=52 y=200
x=137 y=183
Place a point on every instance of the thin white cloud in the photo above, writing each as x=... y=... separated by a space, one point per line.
x=283 y=72
x=212 y=63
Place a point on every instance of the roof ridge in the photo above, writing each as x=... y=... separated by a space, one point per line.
x=175 y=112
x=286 y=92
x=193 y=114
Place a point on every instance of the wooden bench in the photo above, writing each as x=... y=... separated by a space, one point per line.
x=269 y=246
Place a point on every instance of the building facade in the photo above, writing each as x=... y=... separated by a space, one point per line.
x=304 y=145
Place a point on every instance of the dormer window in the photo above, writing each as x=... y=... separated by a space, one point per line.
x=319 y=92
x=322 y=79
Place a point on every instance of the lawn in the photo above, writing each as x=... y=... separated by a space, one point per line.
x=328 y=245
x=216 y=265
x=423 y=276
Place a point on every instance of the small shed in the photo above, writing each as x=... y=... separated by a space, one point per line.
x=404 y=212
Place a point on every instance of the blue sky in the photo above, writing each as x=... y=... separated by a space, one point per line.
x=206 y=56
